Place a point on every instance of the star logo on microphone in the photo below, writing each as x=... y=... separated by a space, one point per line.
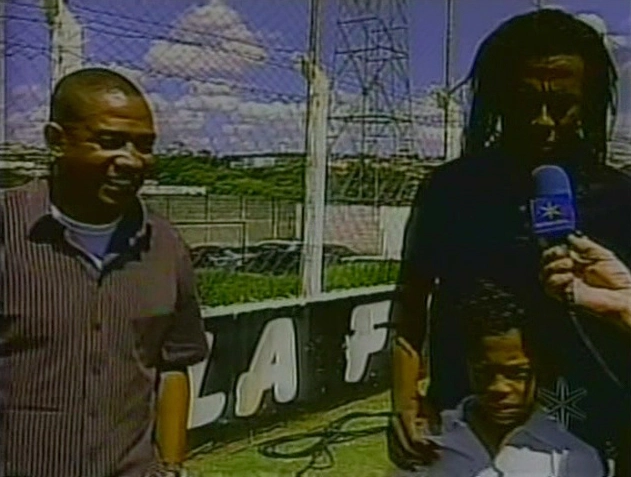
x=552 y=215
x=551 y=211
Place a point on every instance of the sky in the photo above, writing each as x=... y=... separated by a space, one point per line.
x=224 y=75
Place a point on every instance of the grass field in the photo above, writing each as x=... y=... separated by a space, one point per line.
x=360 y=455
x=218 y=288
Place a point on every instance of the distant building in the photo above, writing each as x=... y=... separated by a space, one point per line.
x=256 y=161
x=152 y=188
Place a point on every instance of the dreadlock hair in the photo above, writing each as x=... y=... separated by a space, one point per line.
x=538 y=34
x=489 y=310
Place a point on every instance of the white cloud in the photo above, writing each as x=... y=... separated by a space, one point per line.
x=28 y=127
x=613 y=41
x=257 y=126
x=620 y=41
x=213 y=116
x=178 y=124
x=208 y=39
x=196 y=87
x=28 y=94
x=210 y=104
x=594 y=20
x=142 y=78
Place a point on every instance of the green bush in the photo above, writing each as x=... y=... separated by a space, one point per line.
x=356 y=275
x=218 y=288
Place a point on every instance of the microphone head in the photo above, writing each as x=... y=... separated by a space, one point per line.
x=552 y=208
x=551 y=180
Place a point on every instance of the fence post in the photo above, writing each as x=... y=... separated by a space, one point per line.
x=207 y=217
x=243 y=216
x=274 y=219
x=315 y=168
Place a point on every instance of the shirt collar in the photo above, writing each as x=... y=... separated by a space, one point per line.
x=134 y=227
x=540 y=426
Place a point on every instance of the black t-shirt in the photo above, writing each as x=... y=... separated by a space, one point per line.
x=471 y=220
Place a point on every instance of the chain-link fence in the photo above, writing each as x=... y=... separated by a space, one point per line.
x=230 y=100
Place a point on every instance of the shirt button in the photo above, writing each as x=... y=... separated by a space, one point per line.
x=96 y=325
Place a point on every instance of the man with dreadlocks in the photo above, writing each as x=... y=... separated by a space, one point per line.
x=543 y=89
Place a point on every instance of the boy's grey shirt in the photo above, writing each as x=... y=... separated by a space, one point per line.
x=539 y=448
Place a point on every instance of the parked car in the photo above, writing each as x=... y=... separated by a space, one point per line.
x=283 y=256
x=217 y=257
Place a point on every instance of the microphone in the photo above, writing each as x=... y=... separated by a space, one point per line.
x=552 y=209
x=553 y=218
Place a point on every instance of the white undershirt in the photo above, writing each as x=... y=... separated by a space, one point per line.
x=93 y=239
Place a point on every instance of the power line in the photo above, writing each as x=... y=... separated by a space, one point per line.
x=76 y=6
x=39 y=50
x=118 y=32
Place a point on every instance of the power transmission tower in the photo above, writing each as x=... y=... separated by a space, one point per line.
x=371 y=119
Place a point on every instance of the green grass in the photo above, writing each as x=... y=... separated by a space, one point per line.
x=218 y=288
x=363 y=456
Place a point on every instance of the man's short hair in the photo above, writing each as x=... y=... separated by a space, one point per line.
x=66 y=98
x=538 y=34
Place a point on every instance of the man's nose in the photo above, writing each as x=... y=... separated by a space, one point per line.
x=499 y=385
x=131 y=158
x=543 y=118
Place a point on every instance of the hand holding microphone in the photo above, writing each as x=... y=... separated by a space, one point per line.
x=590 y=277
x=575 y=269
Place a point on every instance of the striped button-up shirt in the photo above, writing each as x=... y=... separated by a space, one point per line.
x=83 y=346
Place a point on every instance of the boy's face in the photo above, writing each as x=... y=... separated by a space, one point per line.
x=502 y=379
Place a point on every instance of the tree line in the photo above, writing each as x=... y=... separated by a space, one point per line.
x=369 y=183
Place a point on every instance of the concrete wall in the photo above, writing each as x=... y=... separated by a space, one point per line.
x=226 y=220
x=238 y=221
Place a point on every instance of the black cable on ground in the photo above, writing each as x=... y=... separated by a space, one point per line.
x=320 y=453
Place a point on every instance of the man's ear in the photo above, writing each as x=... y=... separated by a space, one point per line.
x=55 y=138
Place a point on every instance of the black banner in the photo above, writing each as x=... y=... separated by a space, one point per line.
x=272 y=361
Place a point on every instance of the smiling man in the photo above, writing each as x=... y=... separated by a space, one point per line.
x=100 y=312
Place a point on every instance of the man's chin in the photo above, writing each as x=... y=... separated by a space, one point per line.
x=116 y=198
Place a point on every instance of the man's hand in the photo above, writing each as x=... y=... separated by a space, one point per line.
x=591 y=277
x=415 y=419
x=411 y=430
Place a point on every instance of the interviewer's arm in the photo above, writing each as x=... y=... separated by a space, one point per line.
x=172 y=416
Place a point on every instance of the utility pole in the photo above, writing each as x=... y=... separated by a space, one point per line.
x=52 y=11
x=447 y=96
x=316 y=160
x=3 y=76
x=66 y=39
